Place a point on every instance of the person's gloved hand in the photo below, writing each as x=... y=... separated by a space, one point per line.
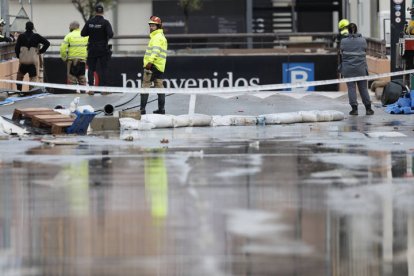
x=148 y=66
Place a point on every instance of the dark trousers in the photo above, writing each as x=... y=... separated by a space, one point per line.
x=149 y=77
x=26 y=69
x=363 y=91
x=102 y=72
x=161 y=101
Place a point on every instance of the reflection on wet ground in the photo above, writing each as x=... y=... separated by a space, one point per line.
x=276 y=206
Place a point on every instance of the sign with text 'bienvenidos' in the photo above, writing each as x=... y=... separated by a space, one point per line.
x=215 y=71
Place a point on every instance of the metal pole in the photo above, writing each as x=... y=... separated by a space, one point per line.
x=397 y=26
x=249 y=22
x=31 y=10
x=294 y=16
x=345 y=9
x=5 y=16
x=115 y=16
x=3 y=4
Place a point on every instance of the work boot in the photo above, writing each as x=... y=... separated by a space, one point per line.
x=143 y=112
x=354 y=110
x=159 y=111
x=369 y=111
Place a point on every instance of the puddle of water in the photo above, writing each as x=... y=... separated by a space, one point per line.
x=277 y=207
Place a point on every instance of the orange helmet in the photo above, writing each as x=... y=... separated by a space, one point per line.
x=155 y=20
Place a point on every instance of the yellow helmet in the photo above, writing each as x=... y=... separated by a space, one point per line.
x=343 y=23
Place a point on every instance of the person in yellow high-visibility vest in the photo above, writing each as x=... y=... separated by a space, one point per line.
x=73 y=51
x=155 y=59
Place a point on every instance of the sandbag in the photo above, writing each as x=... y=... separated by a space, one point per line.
x=233 y=120
x=132 y=124
x=160 y=121
x=309 y=116
x=200 y=120
x=181 y=120
x=336 y=115
x=283 y=118
x=218 y=120
x=324 y=116
x=243 y=120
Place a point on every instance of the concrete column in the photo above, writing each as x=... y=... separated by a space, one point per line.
x=115 y=24
x=5 y=16
x=384 y=5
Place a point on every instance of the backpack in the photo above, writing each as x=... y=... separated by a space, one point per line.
x=392 y=92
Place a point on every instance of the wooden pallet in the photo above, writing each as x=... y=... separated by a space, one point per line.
x=44 y=118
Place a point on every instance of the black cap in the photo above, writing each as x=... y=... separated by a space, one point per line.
x=99 y=8
x=29 y=26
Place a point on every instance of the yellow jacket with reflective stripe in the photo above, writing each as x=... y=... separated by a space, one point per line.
x=156 y=52
x=74 y=46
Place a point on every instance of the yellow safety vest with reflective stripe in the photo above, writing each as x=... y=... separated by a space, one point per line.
x=74 y=46
x=156 y=52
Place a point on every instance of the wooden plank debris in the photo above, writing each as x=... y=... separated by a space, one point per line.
x=45 y=118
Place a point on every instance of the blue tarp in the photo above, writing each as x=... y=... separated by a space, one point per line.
x=12 y=100
x=404 y=105
x=81 y=123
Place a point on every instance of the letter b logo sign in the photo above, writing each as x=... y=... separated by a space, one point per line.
x=299 y=72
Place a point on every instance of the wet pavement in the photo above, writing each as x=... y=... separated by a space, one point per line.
x=331 y=198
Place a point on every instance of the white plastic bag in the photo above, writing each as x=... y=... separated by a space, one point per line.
x=82 y=108
x=74 y=104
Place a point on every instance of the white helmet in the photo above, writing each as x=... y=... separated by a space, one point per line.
x=2 y=22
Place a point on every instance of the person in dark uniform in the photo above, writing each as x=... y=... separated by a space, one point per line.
x=99 y=31
x=354 y=64
x=27 y=51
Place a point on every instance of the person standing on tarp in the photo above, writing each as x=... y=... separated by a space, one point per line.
x=354 y=64
x=155 y=59
x=73 y=51
x=28 y=51
x=100 y=32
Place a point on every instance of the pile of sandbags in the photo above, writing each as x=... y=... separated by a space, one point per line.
x=151 y=121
